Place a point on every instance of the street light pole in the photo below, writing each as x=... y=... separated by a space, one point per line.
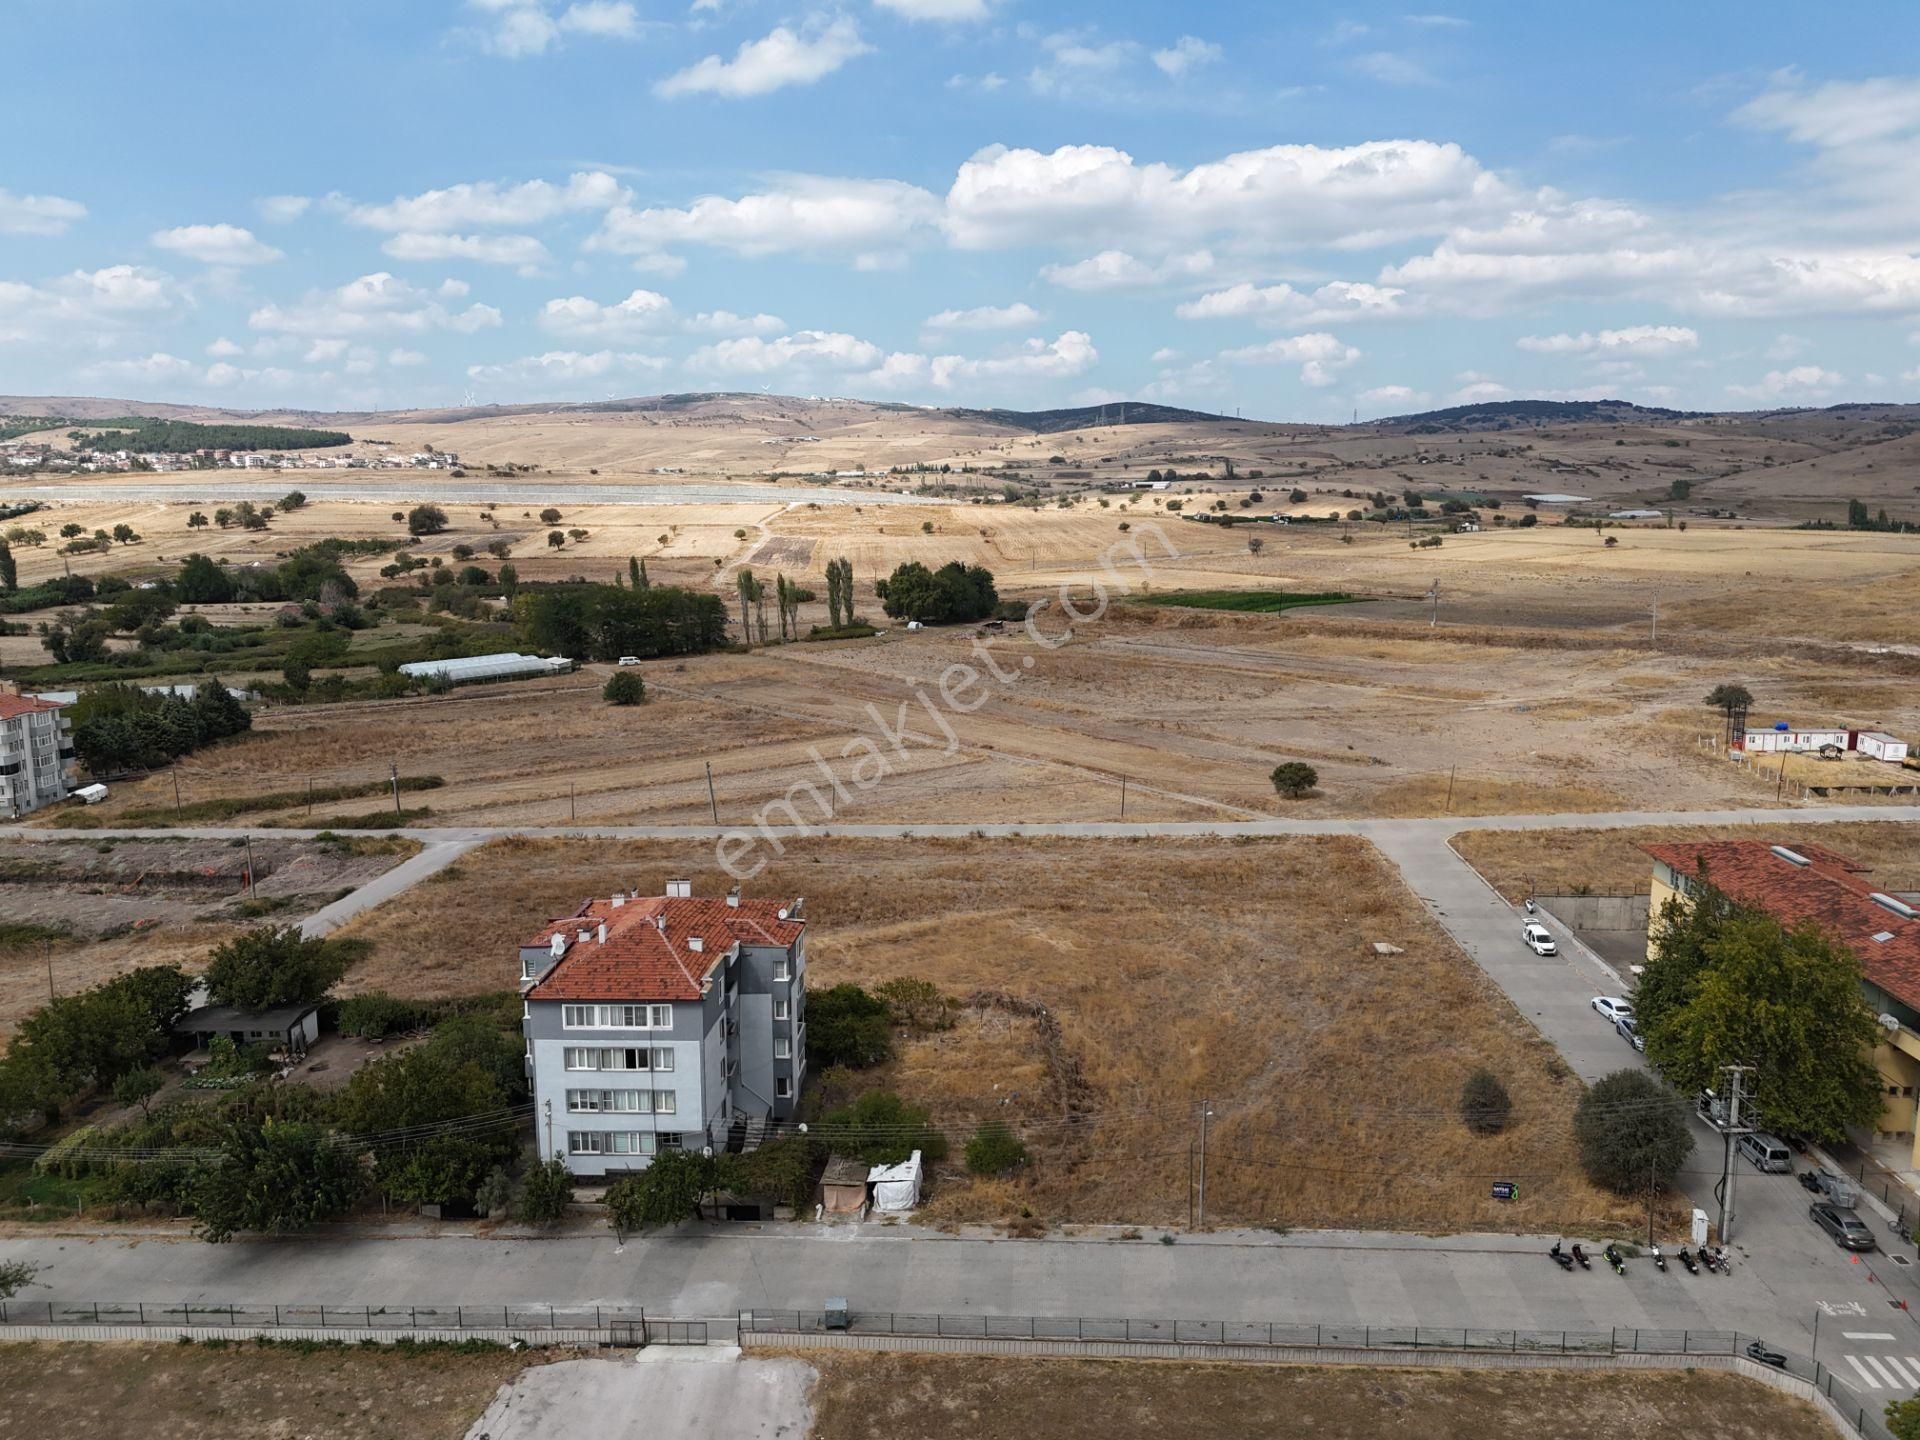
x=1206 y=1114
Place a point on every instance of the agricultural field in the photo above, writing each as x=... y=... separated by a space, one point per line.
x=1103 y=989
x=934 y=1397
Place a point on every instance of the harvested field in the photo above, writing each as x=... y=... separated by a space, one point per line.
x=1609 y=862
x=932 y=1397
x=1174 y=971
x=244 y=1392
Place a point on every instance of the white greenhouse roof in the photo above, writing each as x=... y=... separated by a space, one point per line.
x=485 y=667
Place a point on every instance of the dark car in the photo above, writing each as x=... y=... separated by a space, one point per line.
x=1849 y=1232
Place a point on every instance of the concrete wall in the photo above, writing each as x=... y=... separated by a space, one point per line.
x=1599 y=912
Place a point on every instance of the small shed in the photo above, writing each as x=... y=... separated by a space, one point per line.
x=1878 y=745
x=843 y=1187
x=896 y=1188
x=291 y=1028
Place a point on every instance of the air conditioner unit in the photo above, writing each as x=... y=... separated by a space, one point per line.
x=1891 y=1023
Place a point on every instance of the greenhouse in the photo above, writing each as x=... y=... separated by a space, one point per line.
x=474 y=668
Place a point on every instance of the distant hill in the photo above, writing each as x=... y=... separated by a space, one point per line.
x=1507 y=414
x=1082 y=417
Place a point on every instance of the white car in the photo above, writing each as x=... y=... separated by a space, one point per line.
x=629 y=660
x=1612 y=1007
x=1539 y=939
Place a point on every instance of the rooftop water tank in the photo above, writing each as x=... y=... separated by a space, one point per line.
x=1781 y=725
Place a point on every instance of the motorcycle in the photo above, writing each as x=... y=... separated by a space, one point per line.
x=1530 y=909
x=1560 y=1257
x=1659 y=1260
x=1809 y=1181
x=1581 y=1256
x=1717 y=1260
x=1759 y=1351
x=1613 y=1259
x=1687 y=1260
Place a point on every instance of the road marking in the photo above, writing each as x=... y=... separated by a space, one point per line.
x=1882 y=1371
x=1893 y=1363
x=1861 y=1370
x=1868 y=1334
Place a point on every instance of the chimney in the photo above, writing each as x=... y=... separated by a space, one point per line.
x=733 y=898
x=660 y=923
x=679 y=889
x=603 y=932
x=618 y=899
x=696 y=944
x=558 y=947
x=581 y=937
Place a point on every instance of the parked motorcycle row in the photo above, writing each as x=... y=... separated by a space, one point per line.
x=1712 y=1258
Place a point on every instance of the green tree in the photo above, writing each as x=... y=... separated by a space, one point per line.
x=555 y=539
x=1484 y=1103
x=847 y=1026
x=1733 y=986
x=1903 y=1416
x=197 y=520
x=124 y=534
x=914 y=1003
x=624 y=687
x=9 y=569
x=274 y=1178
x=550 y=516
x=202 y=581
x=426 y=520
x=293 y=500
x=954 y=594
x=1632 y=1132
x=994 y=1150
x=1729 y=698
x=668 y=1191
x=15 y=1276
x=1294 y=778
x=297 y=675
x=275 y=966
x=783 y=1171
x=509 y=579
x=547 y=1194
x=138 y=1087
x=881 y=1129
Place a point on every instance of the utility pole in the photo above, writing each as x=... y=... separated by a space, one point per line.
x=573 y=812
x=1123 y=797
x=249 y=864
x=1206 y=1114
x=1433 y=594
x=394 y=766
x=47 y=945
x=175 y=767
x=713 y=804
x=1780 y=788
x=1450 y=774
x=1655 y=637
x=1733 y=1128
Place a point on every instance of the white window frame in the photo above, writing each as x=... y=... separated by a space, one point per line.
x=781 y=1009
x=782 y=1048
x=616 y=1017
x=782 y=1088
x=664 y=1103
x=782 y=970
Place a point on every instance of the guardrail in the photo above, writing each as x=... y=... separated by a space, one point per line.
x=235 y=1316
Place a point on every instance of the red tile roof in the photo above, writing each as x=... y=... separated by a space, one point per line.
x=1828 y=892
x=15 y=705
x=642 y=960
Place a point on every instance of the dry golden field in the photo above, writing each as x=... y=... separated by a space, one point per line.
x=951 y=1397
x=1610 y=862
x=1176 y=971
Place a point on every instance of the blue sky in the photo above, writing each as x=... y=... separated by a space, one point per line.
x=1296 y=210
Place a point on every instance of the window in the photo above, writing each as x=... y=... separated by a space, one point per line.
x=662 y=1058
x=579 y=1057
x=780 y=969
x=779 y=1009
x=610 y=1102
x=782 y=1048
x=669 y=1142
x=782 y=1087
x=662 y=1102
x=616 y=1017
x=610 y=1142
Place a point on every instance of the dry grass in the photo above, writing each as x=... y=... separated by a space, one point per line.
x=928 y=1397
x=1477 y=795
x=1177 y=971
x=1609 y=862
x=246 y=1392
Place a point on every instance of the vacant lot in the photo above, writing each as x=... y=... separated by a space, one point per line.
x=1175 y=972
x=1610 y=862
x=243 y=1392
x=926 y=1397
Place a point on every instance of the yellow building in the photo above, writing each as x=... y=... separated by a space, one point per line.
x=1812 y=884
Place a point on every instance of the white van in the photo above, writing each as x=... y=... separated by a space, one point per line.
x=629 y=660
x=1765 y=1154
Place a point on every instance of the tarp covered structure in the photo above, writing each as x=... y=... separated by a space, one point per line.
x=896 y=1188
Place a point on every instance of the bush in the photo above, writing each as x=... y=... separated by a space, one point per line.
x=994 y=1150
x=547 y=1194
x=624 y=687
x=882 y=1129
x=665 y=1193
x=1632 y=1133
x=1294 y=779
x=847 y=1026
x=269 y=967
x=377 y=1015
x=426 y=520
x=1485 y=1105
x=915 y=1004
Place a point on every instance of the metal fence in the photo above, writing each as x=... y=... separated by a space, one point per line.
x=1864 y=1417
x=531 y=1319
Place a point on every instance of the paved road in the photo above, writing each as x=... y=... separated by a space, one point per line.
x=407 y=487
x=437 y=856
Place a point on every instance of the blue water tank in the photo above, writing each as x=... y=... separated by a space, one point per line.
x=1781 y=725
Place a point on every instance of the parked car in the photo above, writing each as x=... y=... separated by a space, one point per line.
x=1629 y=1032
x=1847 y=1230
x=1765 y=1153
x=629 y=660
x=1538 y=938
x=1612 y=1007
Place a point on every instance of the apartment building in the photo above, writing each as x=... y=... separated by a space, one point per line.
x=663 y=1021
x=36 y=754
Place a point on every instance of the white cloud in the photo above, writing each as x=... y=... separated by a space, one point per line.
x=808 y=215
x=488 y=204
x=1287 y=195
x=37 y=214
x=1281 y=304
x=325 y=352
x=566 y=366
x=375 y=304
x=403 y=358
x=216 y=245
x=1391 y=68
x=1164 y=354
x=86 y=306
x=1393 y=397
x=985 y=317
x=613 y=19
x=640 y=312
x=725 y=322
x=1802 y=382
x=225 y=349
x=804 y=349
x=1438 y=22
x=1073 y=63
x=950 y=10
x=1117 y=270
x=1479 y=392
x=1785 y=347
x=1185 y=55
x=521 y=250
x=781 y=58
x=283 y=209
x=158 y=366
x=1071 y=354
x=1646 y=341
x=521 y=29
x=1319 y=355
